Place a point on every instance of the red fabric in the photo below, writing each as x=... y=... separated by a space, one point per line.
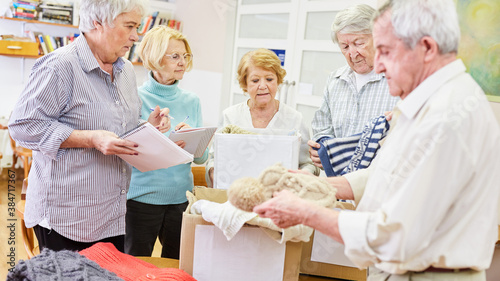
x=129 y=267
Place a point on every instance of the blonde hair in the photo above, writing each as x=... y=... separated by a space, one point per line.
x=154 y=46
x=261 y=58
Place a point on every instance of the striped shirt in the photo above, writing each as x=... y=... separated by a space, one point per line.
x=80 y=192
x=345 y=111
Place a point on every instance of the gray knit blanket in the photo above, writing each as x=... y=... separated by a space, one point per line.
x=61 y=265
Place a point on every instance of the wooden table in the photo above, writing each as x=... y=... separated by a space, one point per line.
x=172 y=263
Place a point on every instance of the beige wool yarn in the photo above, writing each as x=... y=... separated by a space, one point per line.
x=246 y=193
x=233 y=129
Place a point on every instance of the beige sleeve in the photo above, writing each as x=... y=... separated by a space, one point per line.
x=358 y=180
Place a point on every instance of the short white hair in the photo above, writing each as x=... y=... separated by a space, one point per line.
x=353 y=20
x=414 y=19
x=106 y=11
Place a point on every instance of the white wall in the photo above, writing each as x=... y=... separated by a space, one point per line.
x=209 y=27
x=496 y=109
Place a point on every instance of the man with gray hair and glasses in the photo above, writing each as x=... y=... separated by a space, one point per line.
x=429 y=208
x=354 y=94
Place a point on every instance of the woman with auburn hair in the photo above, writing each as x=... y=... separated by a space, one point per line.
x=156 y=199
x=260 y=74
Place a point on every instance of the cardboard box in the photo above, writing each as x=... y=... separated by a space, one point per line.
x=242 y=155
x=193 y=224
x=311 y=267
x=19 y=48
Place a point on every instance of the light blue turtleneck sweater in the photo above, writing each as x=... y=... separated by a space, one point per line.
x=167 y=186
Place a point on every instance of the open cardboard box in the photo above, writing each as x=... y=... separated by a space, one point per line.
x=242 y=155
x=292 y=256
x=308 y=266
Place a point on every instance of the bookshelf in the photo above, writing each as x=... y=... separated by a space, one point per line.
x=38 y=26
x=40 y=22
x=45 y=23
x=15 y=69
x=21 y=56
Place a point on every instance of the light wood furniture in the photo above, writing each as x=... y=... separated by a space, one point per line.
x=19 y=152
x=199 y=175
x=161 y=262
x=172 y=263
x=28 y=235
x=23 y=153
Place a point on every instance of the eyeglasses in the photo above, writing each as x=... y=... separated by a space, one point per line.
x=175 y=57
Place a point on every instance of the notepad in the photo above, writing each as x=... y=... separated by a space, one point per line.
x=196 y=139
x=156 y=151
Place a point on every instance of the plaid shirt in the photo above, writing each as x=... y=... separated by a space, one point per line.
x=345 y=111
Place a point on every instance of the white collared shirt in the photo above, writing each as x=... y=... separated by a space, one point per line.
x=431 y=198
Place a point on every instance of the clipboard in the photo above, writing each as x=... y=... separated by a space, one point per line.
x=197 y=139
x=156 y=151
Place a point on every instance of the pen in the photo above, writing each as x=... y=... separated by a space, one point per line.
x=185 y=119
x=169 y=117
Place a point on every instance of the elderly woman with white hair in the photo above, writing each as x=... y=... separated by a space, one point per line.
x=354 y=94
x=77 y=102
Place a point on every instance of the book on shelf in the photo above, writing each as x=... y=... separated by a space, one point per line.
x=24 y=15
x=56 y=12
x=156 y=22
x=24 y=5
x=50 y=43
x=41 y=41
x=25 y=9
x=145 y=25
x=155 y=19
x=133 y=55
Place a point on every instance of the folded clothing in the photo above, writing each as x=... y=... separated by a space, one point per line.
x=340 y=156
x=129 y=267
x=225 y=216
x=230 y=220
x=61 y=265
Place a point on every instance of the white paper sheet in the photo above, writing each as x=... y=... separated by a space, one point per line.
x=156 y=151
x=251 y=255
x=238 y=156
x=196 y=139
x=327 y=250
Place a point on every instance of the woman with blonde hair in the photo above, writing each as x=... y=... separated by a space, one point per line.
x=156 y=199
x=260 y=74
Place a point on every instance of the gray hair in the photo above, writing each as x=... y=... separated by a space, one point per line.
x=353 y=20
x=106 y=11
x=414 y=19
